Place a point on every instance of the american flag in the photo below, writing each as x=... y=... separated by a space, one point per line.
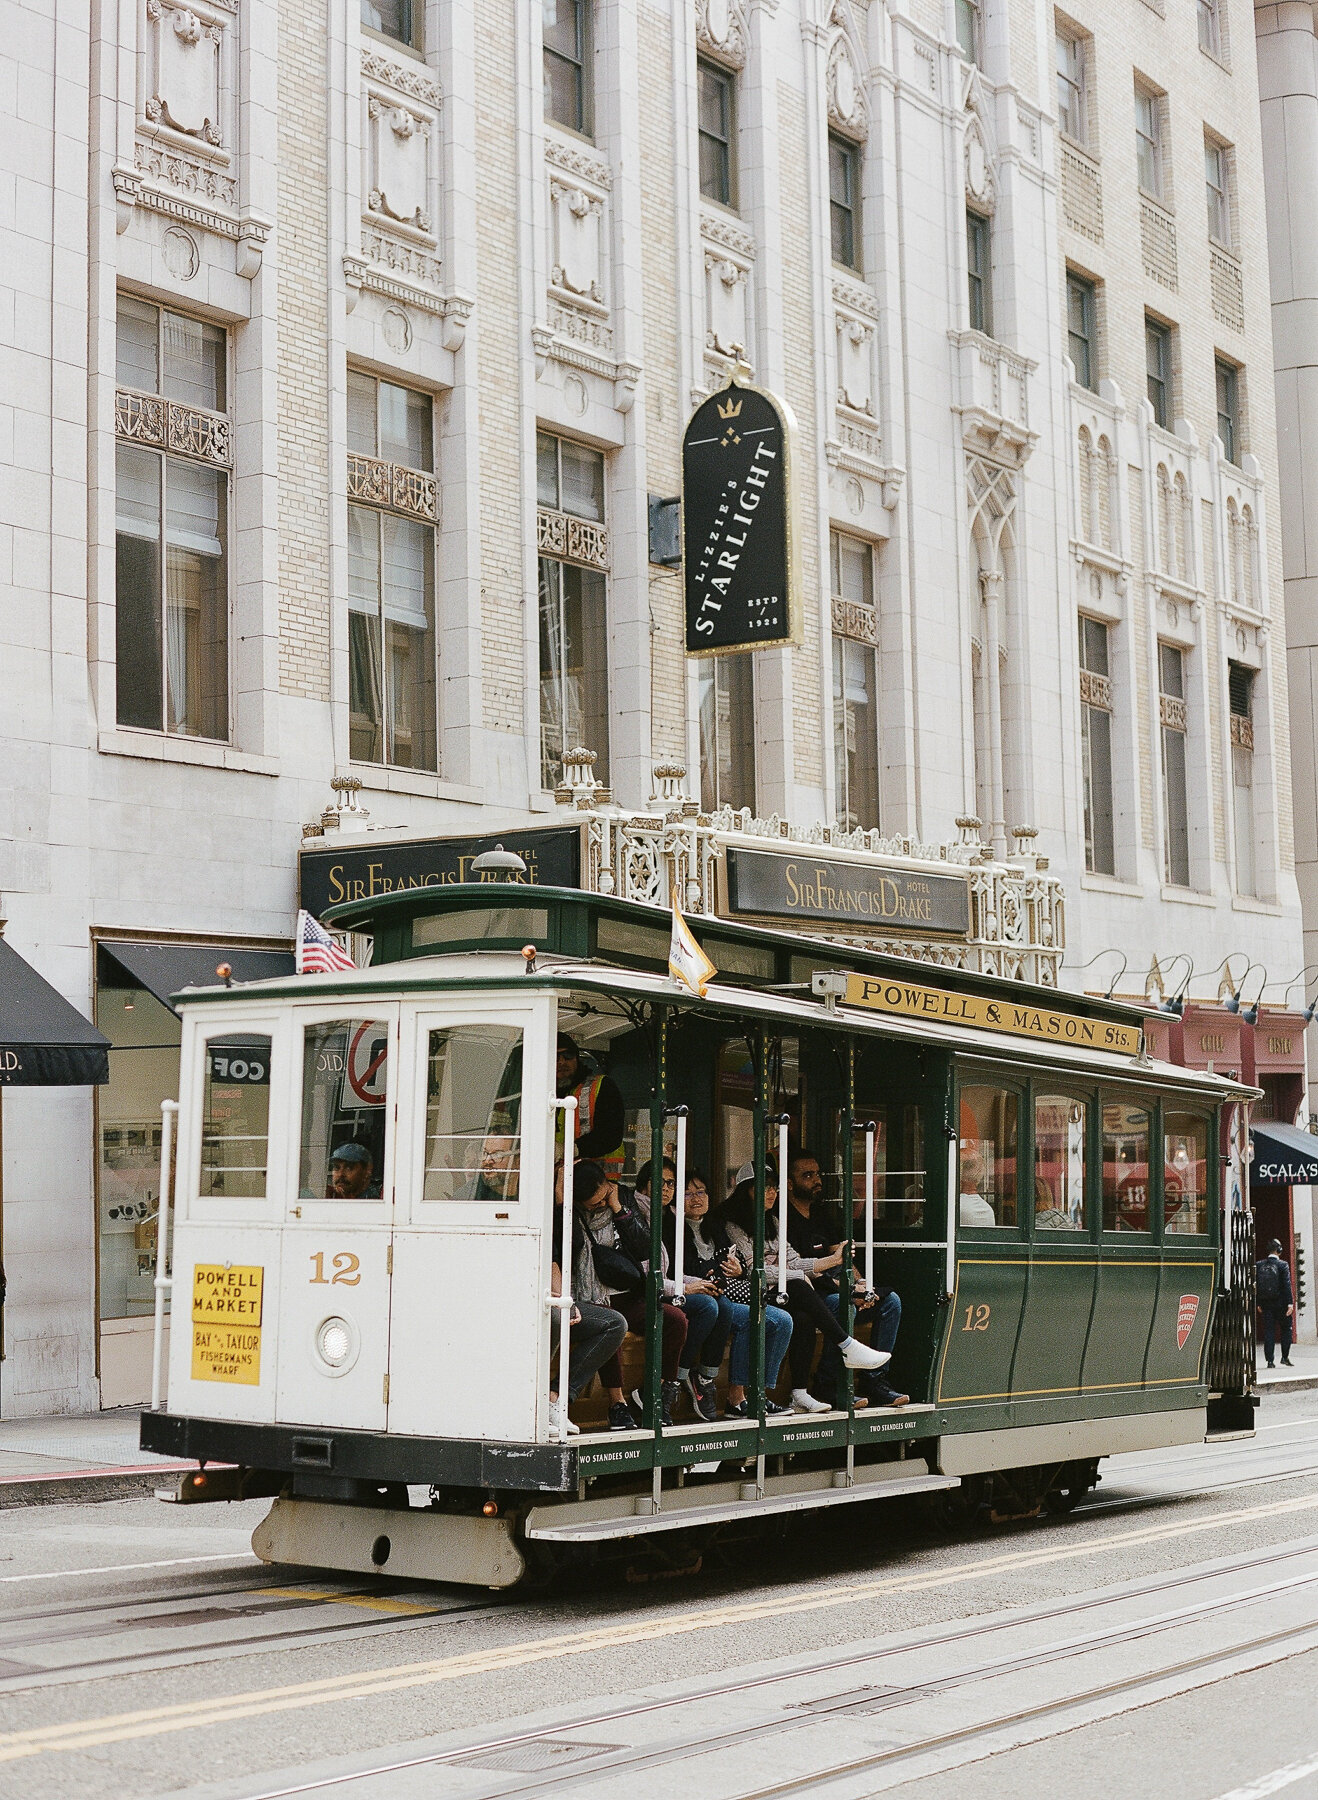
x=317 y=952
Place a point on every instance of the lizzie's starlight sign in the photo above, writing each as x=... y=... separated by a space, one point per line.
x=738 y=546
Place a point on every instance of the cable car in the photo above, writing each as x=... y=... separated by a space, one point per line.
x=375 y=1191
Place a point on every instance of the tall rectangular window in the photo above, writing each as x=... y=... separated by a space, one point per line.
x=979 y=272
x=391 y=574
x=716 y=99
x=1210 y=26
x=1081 y=343
x=1158 y=370
x=727 y=732
x=574 y=624
x=1217 y=180
x=1175 y=805
x=1072 y=112
x=172 y=522
x=402 y=20
x=844 y=200
x=567 y=63
x=970 y=30
x=1148 y=140
x=1240 y=684
x=1228 y=408
x=855 y=684
x=1096 y=746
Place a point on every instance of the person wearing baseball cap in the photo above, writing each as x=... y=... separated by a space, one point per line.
x=351 y=1169
x=600 y=1118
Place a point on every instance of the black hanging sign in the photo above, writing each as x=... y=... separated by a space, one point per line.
x=738 y=534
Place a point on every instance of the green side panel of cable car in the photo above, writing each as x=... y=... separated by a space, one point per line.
x=1059 y=1305
x=1123 y=1315
x=1180 y=1320
x=982 y=1331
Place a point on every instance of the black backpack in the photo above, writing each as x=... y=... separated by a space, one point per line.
x=1269 y=1282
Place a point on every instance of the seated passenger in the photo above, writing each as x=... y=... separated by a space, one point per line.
x=803 y=1301
x=709 y=1254
x=350 y=1174
x=974 y=1208
x=499 y=1175
x=699 y=1297
x=813 y=1229
x=1048 y=1215
x=595 y=1331
x=600 y=1120
x=612 y=1274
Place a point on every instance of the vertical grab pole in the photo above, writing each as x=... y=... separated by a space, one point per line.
x=654 y=1286
x=680 y=1113
x=162 y=1283
x=784 y=1121
x=759 y=1295
x=563 y=1301
x=953 y=1208
x=871 y=1132
x=847 y=1274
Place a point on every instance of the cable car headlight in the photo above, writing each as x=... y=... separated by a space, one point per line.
x=337 y=1344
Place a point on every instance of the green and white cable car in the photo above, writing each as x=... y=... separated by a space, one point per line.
x=375 y=1351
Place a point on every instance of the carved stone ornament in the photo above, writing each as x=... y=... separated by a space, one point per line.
x=398 y=159
x=577 y=217
x=417 y=83
x=721 y=29
x=855 y=364
x=184 y=58
x=979 y=172
x=847 y=108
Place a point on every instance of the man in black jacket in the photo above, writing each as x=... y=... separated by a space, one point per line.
x=1276 y=1299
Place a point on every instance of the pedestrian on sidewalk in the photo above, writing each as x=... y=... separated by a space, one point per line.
x=1276 y=1298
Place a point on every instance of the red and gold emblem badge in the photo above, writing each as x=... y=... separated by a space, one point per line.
x=1186 y=1313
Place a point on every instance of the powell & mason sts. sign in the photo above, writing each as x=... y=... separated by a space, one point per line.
x=765 y=884
x=1017 y=1018
x=739 y=552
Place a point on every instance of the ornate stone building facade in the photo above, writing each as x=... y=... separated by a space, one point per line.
x=349 y=348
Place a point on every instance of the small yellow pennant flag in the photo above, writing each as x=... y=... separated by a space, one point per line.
x=687 y=962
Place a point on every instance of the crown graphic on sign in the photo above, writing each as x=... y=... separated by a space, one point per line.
x=729 y=409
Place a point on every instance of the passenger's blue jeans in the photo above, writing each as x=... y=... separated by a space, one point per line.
x=878 y=1322
x=703 y=1316
x=777 y=1336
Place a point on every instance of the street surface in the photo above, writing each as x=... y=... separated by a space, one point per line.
x=1161 y=1640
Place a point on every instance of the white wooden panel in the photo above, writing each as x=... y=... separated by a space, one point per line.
x=335 y=1271
x=243 y=1245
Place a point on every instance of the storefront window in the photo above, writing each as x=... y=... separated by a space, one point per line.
x=1185 y=1174
x=474 y=1114
x=235 y=1120
x=1125 y=1167
x=144 y=1051
x=345 y=1066
x=1059 y=1163
x=988 y=1159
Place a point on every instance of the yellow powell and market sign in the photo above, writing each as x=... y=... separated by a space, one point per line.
x=1014 y=1016
x=226 y=1323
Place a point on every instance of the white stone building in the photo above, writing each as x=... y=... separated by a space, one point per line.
x=341 y=363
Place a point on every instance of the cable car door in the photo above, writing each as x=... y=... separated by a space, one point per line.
x=467 y=1327
x=338 y=1227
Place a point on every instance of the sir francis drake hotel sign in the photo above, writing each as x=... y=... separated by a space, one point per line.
x=766 y=884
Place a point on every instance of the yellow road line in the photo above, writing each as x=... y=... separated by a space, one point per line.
x=372 y=1602
x=192 y=1715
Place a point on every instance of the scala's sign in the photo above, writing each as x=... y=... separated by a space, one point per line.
x=767 y=885
x=739 y=552
x=362 y=871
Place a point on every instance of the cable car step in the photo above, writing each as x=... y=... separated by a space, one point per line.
x=684 y=1508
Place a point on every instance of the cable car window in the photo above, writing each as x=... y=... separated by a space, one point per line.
x=1185 y=1174
x=474 y=1114
x=235 y=1118
x=1125 y=1166
x=473 y=925
x=1059 y=1162
x=345 y=1068
x=988 y=1156
x=898 y=1167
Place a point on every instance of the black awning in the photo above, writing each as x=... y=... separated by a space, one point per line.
x=1284 y=1156
x=165 y=969
x=44 y=1042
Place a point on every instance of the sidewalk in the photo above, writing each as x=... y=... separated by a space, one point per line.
x=1303 y=1373
x=67 y=1458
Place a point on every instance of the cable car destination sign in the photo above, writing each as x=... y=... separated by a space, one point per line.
x=738 y=537
x=1021 y=1018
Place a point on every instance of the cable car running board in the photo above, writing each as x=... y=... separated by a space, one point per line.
x=548 y=1523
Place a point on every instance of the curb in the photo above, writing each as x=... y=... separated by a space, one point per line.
x=1264 y=1388
x=78 y=1485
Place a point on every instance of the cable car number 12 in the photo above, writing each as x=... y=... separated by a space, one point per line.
x=347 y=1269
x=977 y=1318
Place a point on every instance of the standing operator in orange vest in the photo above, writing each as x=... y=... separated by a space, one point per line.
x=600 y=1121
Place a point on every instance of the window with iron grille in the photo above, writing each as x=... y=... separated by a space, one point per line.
x=979 y=272
x=173 y=460
x=392 y=515
x=1096 y=746
x=727 y=731
x=402 y=20
x=1081 y=335
x=574 y=626
x=567 y=47
x=716 y=102
x=1173 y=721
x=855 y=685
x=1240 y=689
x=844 y=200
